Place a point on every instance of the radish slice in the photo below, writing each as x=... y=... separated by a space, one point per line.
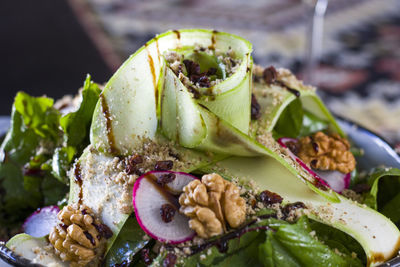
x=41 y=222
x=148 y=198
x=334 y=179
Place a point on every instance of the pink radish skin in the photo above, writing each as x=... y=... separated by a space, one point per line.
x=147 y=201
x=333 y=179
x=41 y=222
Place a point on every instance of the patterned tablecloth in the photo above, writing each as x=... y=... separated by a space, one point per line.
x=359 y=74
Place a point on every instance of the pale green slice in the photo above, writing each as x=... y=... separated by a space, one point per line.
x=379 y=237
x=129 y=104
x=274 y=98
x=25 y=246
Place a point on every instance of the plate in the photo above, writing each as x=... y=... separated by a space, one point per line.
x=376 y=152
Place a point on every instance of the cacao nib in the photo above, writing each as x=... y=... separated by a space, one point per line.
x=270 y=75
x=166 y=178
x=163 y=165
x=255 y=108
x=145 y=254
x=269 y=198
x=169 y=260
x=167 y=212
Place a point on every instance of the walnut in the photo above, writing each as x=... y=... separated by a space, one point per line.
x=79 y=236
x=210 y=203
x=326 y=152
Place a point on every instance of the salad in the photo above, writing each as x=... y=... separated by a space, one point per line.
x=191 y=155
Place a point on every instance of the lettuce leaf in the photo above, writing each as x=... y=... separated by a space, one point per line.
x=290 y=122
x=304 y=243
x=37 y=151
x=127 y=245
x=384 y=195
x=294 y=245
x=76 y=124
x=312 y=124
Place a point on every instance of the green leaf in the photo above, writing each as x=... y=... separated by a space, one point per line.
x=38 y=114
x=128 y=243
x=384 y=193
x=312 y=124
x=61 y=162
x=290 y=121
x=293 y=245
x=76 y=125
x=335 y=238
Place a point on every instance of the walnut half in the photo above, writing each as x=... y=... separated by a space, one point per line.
x=326 y=152
x=210 y=203
x=79 y=237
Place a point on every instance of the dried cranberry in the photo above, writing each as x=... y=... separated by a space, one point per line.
x=211 y=71
x=293 y=206
x=361 y=188
x=133 y=161
x=167 y=212
x=166 y=178
x=169 y=260
x=269 y=198
x=293 y=146
x=255 y=108
x=145 y=254
x=104 y=230
x=203 y=81
x=192 y=67
x=90 y=237
x=270 y=75
x=163 y=165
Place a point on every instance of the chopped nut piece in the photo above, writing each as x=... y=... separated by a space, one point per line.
x=78 y=238
x=210 y=203
x=327 y=152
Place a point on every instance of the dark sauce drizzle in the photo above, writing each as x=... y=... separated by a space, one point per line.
x=78 y=180
x=110 y=134
x=222 y=242
x=178 y=34
x=290 y=90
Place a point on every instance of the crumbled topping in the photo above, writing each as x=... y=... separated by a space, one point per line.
x=79 y=237
x=189 y=72
x=210 y=203
x=327 y=152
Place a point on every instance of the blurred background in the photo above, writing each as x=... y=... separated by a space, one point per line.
x=48 y=46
